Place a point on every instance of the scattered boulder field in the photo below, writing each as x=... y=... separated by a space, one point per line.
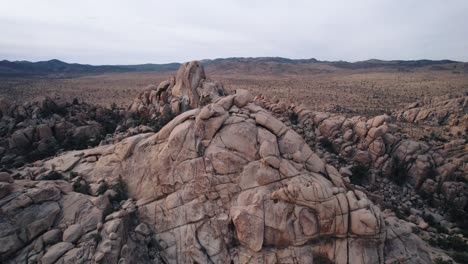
x=189 y=173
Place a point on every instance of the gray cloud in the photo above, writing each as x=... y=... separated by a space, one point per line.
x=127 y=32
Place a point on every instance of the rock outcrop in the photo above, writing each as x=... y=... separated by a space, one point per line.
x=443 y=110
x=224 y=182
x=39 y=129
x=187 y=90
x=377 y=144
x=35 y=214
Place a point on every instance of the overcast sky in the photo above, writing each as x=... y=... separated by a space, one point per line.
x=144 y=31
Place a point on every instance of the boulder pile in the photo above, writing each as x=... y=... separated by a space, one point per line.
x=49 y=221
x=445 y=110
x=438 y=171
x=39 y=129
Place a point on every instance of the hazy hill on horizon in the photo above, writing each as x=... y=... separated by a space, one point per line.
x=234 y=65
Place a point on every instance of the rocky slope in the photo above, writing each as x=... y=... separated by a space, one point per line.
x=378 y=144
x=229 y=179
x=39 y=129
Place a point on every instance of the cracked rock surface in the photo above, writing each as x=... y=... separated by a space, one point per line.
x=224 y=182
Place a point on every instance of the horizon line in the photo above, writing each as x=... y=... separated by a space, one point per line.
x=227 y=58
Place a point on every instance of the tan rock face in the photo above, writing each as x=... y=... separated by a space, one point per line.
x=46 y=222
x=230 y=181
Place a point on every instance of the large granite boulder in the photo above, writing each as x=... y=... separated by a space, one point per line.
x=229 y=182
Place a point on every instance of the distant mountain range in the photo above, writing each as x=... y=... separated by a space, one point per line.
x=258 y=65
x=60 y=68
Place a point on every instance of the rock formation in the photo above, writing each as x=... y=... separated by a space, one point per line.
x=439 y=111
x=225 y=181
x=438 y=170
x=39 y=129
x=48 y=222
x=189 y=89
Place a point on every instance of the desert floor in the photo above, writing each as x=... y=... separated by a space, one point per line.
x=365 y=93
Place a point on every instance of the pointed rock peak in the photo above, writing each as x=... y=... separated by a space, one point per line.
x=188 y=89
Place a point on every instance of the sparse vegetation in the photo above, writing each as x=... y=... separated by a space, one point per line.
x=460 y=257
x=102 y=188
x=321 y=259
x=360 y=174
x=398 y=172
x=81 y=188
x=96 y=237
x=327 y=145
x=293 y=118
x=452 y=242
x=442 y=261
x=366 y=92
x=52 y=176
x=121 y=189
x=431 y=221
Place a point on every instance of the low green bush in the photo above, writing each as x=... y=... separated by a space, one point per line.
x=449 y=243
x=80 y=188
x=431 y=221
x=321 y=259
x=360 y=174
x=293 y=118
x=399 y=172
x=96 y=237
x=460 y=257
x=52 y=176
x=121 y=189
x=102 y=188
x=441 y=261
x=327 y=145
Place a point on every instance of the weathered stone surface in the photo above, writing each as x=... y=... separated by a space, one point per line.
x=383 y=149
x=242 y=98
x=55 y=252
x=192 y=187
x=6 y=177
x=52 y=237
x=143 y=229
x=72 y=233
x=403 y=245
x=40 y=128
x=187 y=90
x=5 y=189
x=224 y=183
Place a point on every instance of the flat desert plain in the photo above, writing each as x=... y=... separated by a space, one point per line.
x=366 y=93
